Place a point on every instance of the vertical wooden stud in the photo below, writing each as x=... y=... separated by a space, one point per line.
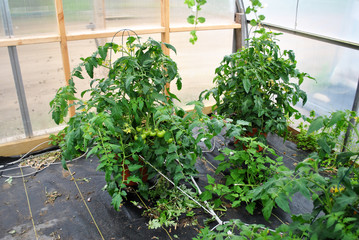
x=165 y=22
x=63 y=45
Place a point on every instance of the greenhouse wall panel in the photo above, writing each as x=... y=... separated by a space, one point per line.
x=11 y=127
x=197 y=63
x=42 y=74
x=215 y=12
x=334 y=69
x=31 y=18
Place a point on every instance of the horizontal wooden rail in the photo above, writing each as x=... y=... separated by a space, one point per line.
x=17 y=41
x=205 y=27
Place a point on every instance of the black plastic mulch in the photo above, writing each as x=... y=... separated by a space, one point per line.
x=65 y=216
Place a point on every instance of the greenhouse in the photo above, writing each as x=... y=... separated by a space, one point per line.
x=179 y=119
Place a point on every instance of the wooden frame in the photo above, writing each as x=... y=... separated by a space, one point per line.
x=24 y=145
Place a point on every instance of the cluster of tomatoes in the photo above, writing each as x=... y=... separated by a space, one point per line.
x=145 y=133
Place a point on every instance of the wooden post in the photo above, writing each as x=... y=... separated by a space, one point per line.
x=238 y=37
x=63 y=45
x=165 y=22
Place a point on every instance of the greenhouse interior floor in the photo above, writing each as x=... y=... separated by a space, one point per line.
x=53 y=204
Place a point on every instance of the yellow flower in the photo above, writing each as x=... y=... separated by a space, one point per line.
x=127 y=130
x=336 y=190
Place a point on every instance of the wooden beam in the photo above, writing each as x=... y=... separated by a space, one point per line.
x=165 y=23
x=110 y=33
x=165 y=36
x=7 y=42
x=23 y=146
x=206 y=27
x=63 y=45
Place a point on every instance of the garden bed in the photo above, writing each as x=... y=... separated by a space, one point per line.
x=60 y=210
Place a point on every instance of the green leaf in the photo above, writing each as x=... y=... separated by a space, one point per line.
x=220 y=157
x=63 y=163
x=116 y=201
x=322 y=142
x=303 y=189
x=344 y=200
x=253 y=22
x=315 y=125
x=331 y=221
x=201 y=19
x=261 y=17
x=172 y=148
x=344 y=157
x=191 y=19
x=169 y=46
x=211 y=180
x=282 y=202
x=206 y=195
x=336 y=117
x=267 y=210
x=89 y=69
x=78 y=74
x=250 y=207
x=179 y=84
x=102 y=50
x=128 y=82
x=217 y=202
x=134 y=167
x=246 y=84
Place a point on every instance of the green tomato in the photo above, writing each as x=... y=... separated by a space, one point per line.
x=179 y=142
x=170 y=140
x=138 y=129
x=161 y=133
x=143 y=136
x=153 y=133
x=147 y=132
x=135 y=137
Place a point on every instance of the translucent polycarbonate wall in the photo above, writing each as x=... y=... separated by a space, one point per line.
x=197 y=63
x=10 y=117
x=32 y=17
x=42 y=74
x=333 y=18
x=130 y=13
x=215 y=12
x=338 y=19
x=334 y=68
x=89 y=15
x=2 y=31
